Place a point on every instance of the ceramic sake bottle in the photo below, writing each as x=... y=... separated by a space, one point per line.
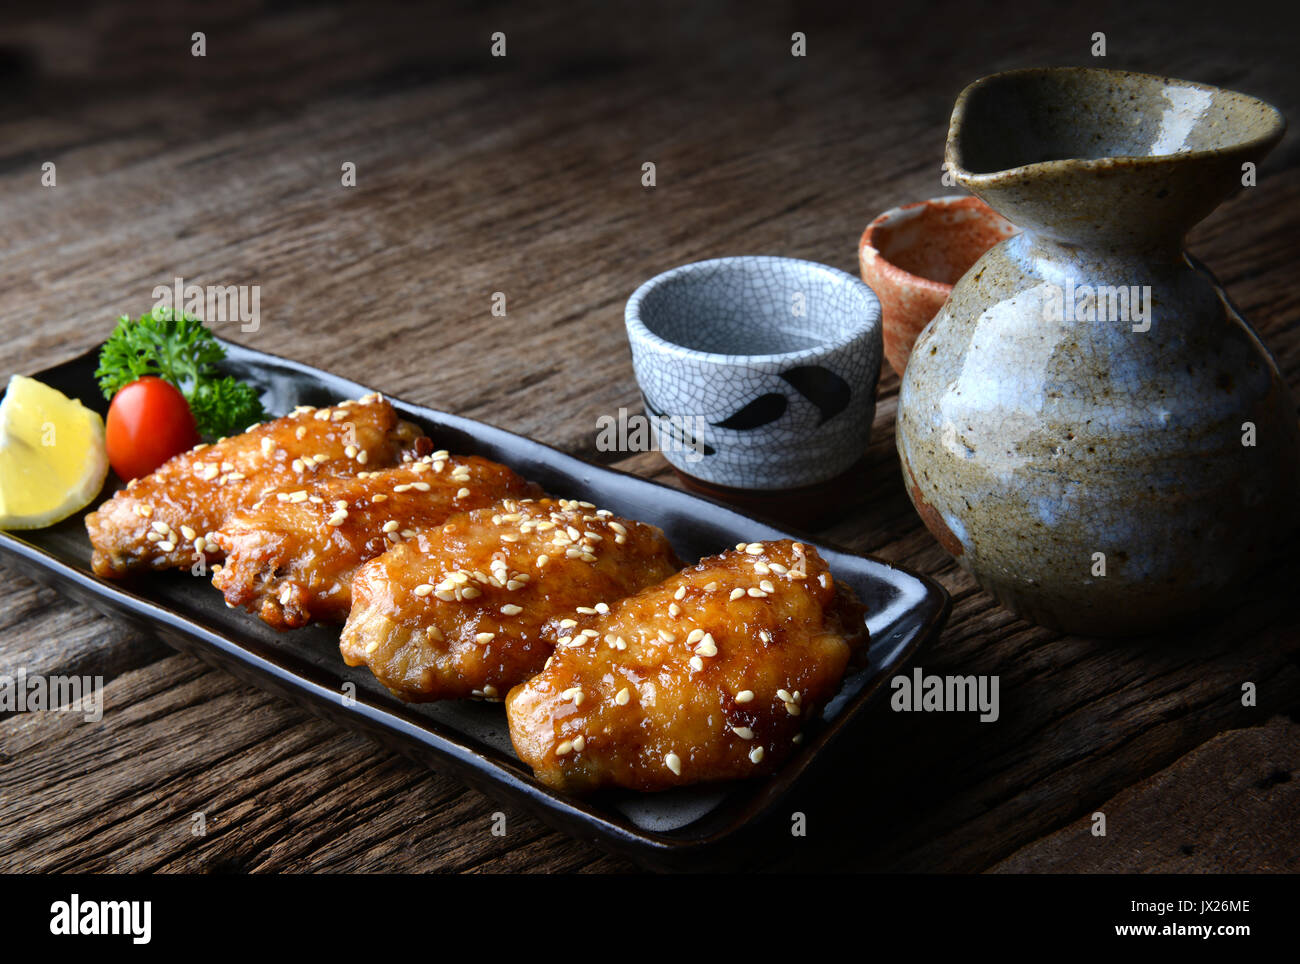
x=1089 y=426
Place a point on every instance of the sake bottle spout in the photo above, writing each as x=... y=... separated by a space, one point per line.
x=1106 y=158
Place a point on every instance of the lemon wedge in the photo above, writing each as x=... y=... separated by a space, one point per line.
x=53 y=460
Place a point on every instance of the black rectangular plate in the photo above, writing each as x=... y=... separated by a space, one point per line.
x=686 y=828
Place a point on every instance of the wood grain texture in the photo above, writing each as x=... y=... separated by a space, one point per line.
x=477 y=175
x=1211 y=812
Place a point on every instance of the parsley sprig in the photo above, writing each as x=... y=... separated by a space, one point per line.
x=179 y=349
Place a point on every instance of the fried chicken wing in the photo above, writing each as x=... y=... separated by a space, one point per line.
x=167 y=520
x=707 y=676
x=457 y=612
x=291 y=557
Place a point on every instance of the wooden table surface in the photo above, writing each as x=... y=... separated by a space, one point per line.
x=522 y=175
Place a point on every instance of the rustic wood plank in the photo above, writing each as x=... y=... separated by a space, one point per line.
x=1232 y=805
x=45 y=633
x=280 y=790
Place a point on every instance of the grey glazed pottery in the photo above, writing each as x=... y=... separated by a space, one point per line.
x=1089 y=426
x=760 y=372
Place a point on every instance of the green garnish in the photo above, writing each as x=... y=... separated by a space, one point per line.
x=179 y=349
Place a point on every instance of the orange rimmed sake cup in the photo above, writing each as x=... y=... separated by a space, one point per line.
x=911 y=256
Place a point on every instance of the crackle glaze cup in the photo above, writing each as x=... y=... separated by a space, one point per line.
x=1104 y=463
x=761 y=370
x=912 y=255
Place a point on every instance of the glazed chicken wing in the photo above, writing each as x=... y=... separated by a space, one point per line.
x=457 y=612
x=707 y=676
x=167 y=519
x=291 y=557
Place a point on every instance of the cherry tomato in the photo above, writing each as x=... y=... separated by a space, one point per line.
x=148 y=422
